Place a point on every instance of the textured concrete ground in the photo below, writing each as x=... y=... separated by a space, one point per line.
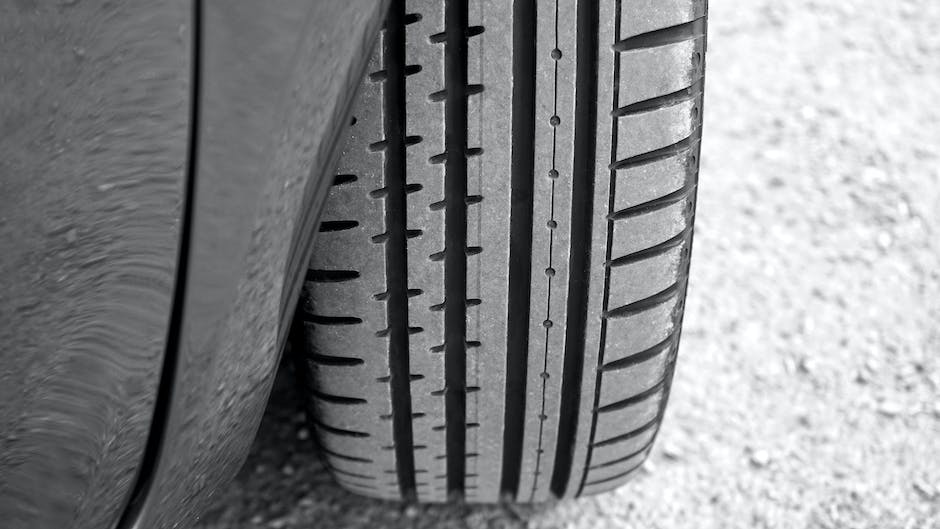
x=808 y=387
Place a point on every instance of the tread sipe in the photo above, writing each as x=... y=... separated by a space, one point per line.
x=494 y=304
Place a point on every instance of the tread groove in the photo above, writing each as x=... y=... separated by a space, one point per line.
x=652 y=251
x=455 y=237
x=351 y=474
x=663 y=37
x=642 y=356
x=336 y=399
x=338 y=431
x=618 y=476
x=344 y=457
x=629 y=435
x=327 y=360
x=612 y=193
x=646 y=303
x=343 y=179
x=681 y=146
x=678 y=97
x=582 y=210
x=633 y=399
x=655 y=204
x=337 y=225
x=646 y=446
x=396 y=259
x=331 y=276
x=318 y=319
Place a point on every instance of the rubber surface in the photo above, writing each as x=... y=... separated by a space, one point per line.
x=494 y=306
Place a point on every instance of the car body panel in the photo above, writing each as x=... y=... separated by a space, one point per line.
x=94 y=121
x=155 y=223
x=276 y=83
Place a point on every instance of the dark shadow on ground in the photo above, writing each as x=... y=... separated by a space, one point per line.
x=297 y=490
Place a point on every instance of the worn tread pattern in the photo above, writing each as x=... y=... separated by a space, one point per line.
x=494 y=306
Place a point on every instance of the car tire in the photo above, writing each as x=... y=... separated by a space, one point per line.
x=493 y=308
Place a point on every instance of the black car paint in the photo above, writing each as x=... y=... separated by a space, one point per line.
x=94 y=111
x=269 y=101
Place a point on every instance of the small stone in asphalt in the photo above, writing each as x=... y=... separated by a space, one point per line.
x=889 y=409
x=671 y=452
x=924 y=490
x=760 y=458
x=884 y=240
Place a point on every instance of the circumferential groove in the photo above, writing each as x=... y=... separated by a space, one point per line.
x=522 y=174
x=582 y=210
x=605 y=300
x=395 y=239
x=455 y=237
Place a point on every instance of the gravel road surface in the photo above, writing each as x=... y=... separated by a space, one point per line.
x=808 y=387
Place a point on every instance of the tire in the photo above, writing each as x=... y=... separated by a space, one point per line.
x=494 y=304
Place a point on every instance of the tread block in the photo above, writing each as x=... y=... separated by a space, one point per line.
x=370 y=253
x=350 y=467
x=640 y=232
x=616 y=471
x=334 y=341
x=603 y=454
x=649 y=131
x=642 y=183
x=643 y=16
x=334 y=299
x=622 y=383
x=600 y=487
x=335 y=380
x=341 y=443
x=351 y=417
x=665 y=69
x=638 y=280
x=642 y=331
x=620 y=421
x=345 y=197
